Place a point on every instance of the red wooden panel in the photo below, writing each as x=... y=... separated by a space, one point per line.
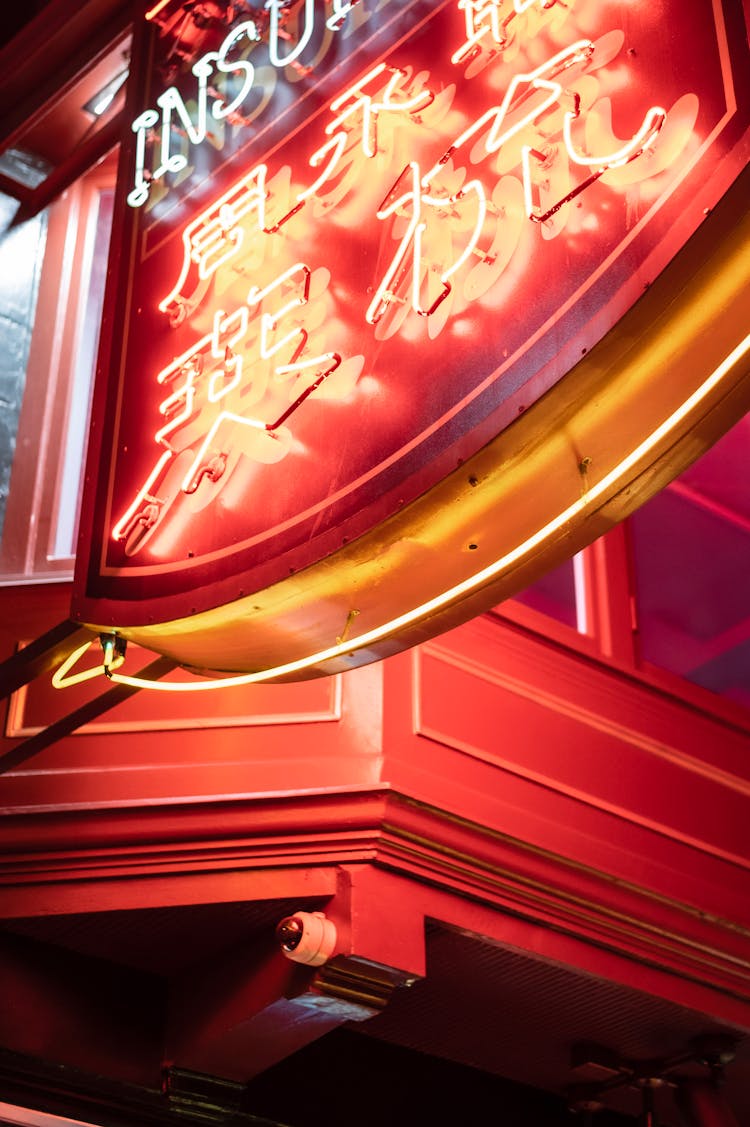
x=499 y=728
x=40 y=704
x=154 y=746
x=590 y=735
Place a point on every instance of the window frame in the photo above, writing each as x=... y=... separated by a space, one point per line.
x=612 y=637
x=27 y=548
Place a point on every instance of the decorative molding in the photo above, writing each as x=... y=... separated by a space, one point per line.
x=589 y=739
x=311 y=702
x=579 y=901
x=606 y=694
x=131 y=857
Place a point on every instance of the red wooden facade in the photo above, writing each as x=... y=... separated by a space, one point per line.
x=526 y=839
x=491 y=784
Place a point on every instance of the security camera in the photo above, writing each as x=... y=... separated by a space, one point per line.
x=307 y=937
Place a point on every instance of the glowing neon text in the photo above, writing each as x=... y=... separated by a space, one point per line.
x=228 y=65
x=257 y=353
x=224 y=229
x=452 y=228
x=528 y=97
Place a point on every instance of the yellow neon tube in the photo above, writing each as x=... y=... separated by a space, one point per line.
x=466 y=586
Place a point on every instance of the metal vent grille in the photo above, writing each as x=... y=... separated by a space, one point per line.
x=513 y=1015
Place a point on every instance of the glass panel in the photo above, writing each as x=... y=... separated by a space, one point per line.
x=21 y=251
x=555 y=594
x=692 y=561
x=92 y=285
x=45 y=392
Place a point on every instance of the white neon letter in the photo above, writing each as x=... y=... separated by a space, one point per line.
x=171 y=100
x=341 y=9
x=248 y=29
x=145 y=121
x=275 y=33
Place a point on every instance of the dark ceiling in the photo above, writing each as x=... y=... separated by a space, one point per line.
x=14 y=17
x=487 y=1026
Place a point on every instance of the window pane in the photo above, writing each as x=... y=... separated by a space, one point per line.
x=21 y=251
x=44 y=424
x=692 y=560
x=555 y=595
x=93 y=278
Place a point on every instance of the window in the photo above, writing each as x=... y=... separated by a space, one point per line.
x=667 y=596
x=691 y=547
x=21 y=253
x=61 y=260
x=559 y=594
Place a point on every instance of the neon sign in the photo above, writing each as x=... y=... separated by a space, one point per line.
x=212 y=374
x=227 y=64
x=218 y=234
x=342 y=299
x=172 y=105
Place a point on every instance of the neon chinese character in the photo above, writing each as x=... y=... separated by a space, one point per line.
x=206 y=416
x=597 y=164
x=254 y=436
x=412 y=202
x=489 y=21
x=214 y=236
x=356 y=101
x=483 y=20
x=510 y=117
x=531 y=94
x=355 y=124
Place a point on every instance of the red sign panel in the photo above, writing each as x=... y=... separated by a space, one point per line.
x=355 y=241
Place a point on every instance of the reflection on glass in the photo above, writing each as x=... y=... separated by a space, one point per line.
x=21 y=250
x=692 y=562
x=94 y=274
x=555 y=595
